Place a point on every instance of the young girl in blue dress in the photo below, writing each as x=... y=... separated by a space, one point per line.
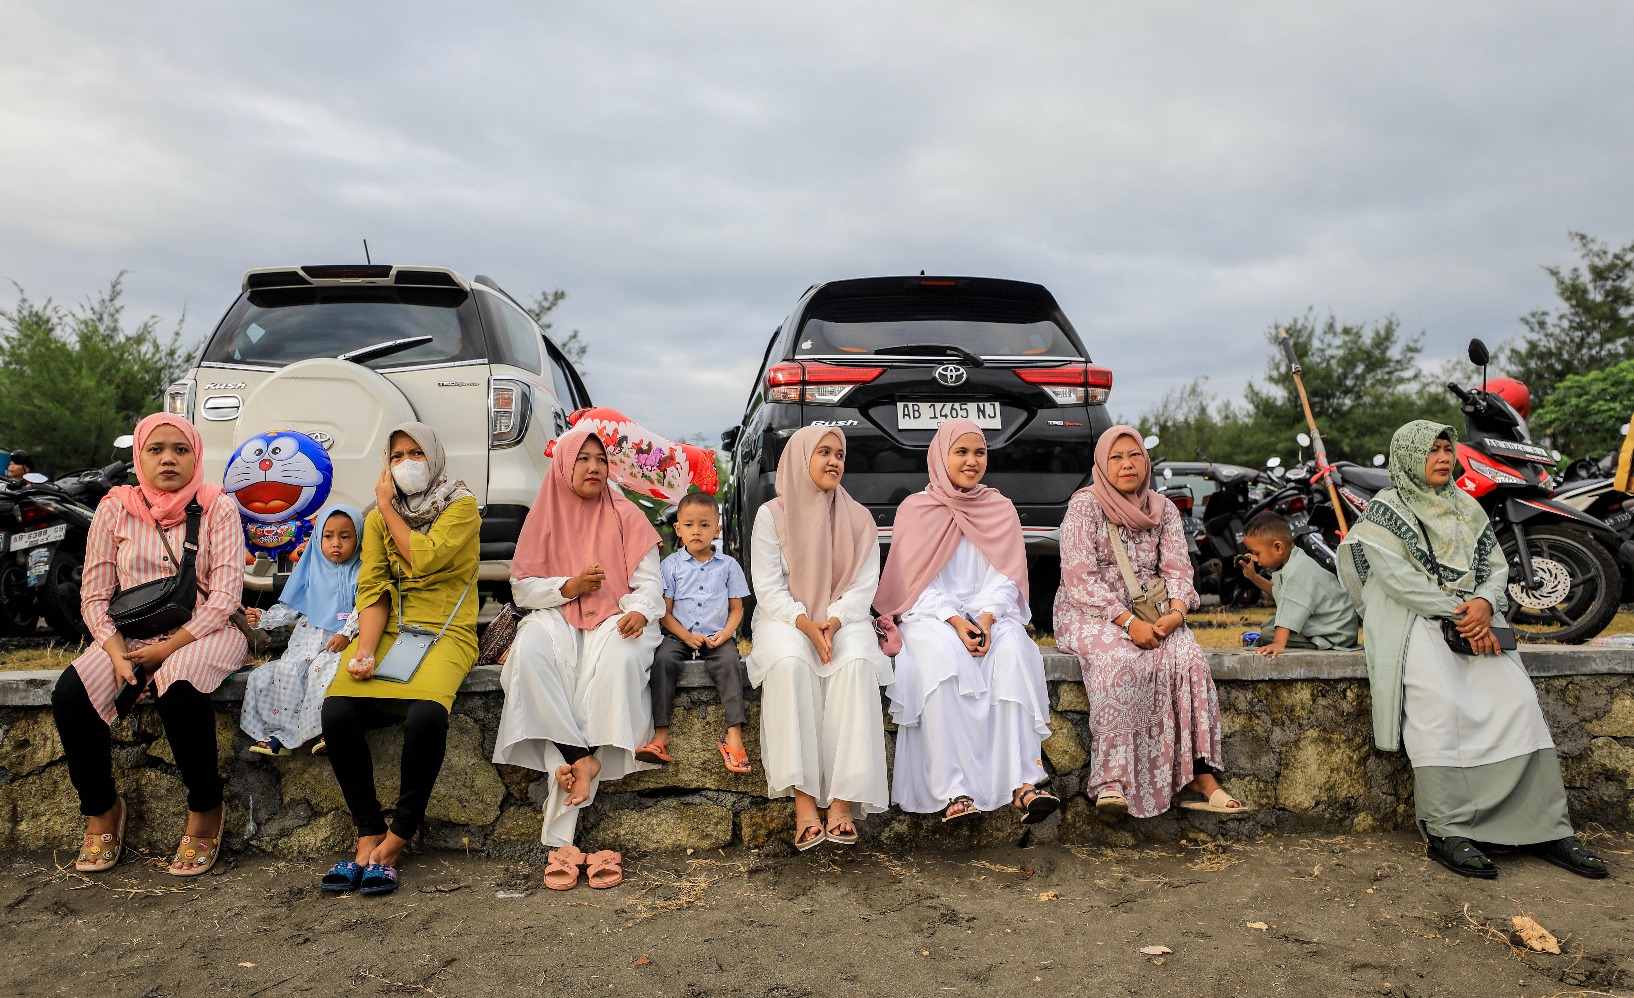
x=283 y=700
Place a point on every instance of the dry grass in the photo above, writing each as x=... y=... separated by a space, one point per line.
x=52 y=656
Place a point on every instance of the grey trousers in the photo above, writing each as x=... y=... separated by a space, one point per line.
x=723 y=664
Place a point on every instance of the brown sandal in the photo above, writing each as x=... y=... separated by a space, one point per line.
x=197 y=853
x=605 y=869
x=562 y=868
x=99 y=853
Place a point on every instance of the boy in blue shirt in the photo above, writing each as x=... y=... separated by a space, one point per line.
x=703 y=601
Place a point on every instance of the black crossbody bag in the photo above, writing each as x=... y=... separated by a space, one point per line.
x=1449 y=628
x=152 y=608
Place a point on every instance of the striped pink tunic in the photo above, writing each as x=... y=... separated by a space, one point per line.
x=124 y=551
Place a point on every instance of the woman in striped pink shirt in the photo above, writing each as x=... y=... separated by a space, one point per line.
x=186 y=665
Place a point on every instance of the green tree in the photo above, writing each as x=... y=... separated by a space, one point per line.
x=1593 y=328
x=1585 y=413
x=574 y=347
x=73 y=378
x=1363 y=383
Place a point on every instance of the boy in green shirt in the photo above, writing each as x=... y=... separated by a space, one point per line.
x=1313 y=609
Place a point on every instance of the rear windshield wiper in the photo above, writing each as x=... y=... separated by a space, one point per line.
x=385 y=349
x=946 y=348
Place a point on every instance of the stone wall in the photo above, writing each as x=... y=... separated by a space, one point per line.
x=1298 y=748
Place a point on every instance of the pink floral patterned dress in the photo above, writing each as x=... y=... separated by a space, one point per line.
x=1152 y=714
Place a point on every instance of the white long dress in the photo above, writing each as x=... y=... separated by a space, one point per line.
x=283 y=699
x=967 y=725
x=589 y=688
x=822 y=730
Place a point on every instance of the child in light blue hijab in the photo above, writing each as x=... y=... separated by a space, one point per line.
x=283 y=699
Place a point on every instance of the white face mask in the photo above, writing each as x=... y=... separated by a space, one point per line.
x=411 y=476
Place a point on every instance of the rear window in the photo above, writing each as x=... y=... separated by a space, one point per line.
x=1041 y=338
x=280 y=327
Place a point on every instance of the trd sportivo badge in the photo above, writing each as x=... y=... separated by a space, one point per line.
x=951 y=375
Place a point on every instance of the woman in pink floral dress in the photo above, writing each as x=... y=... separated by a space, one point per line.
x=1154 y=716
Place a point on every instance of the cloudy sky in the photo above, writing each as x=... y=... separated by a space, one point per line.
x=1181 y=176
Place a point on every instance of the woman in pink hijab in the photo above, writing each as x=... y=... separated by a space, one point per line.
x=1154 y=717
x=127 y=547
x=577 y=699
x=814 y=565
x=969 y=699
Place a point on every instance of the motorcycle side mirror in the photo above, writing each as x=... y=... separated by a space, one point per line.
x=1556 y=454
x=1277 y=472
x=123 y=442
x=1624 y=430
x=1168 y=472
x=1378 y=460
x=1151 y=441
x=35 y=478
x=1273 y=461
x=1478 y=354
x=1303 y=439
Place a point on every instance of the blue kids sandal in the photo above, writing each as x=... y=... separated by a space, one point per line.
x=342 y=877
x=379 y=879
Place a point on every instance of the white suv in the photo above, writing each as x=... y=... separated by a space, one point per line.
x=343 y=353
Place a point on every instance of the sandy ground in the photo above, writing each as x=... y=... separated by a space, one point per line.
x=1346 y=915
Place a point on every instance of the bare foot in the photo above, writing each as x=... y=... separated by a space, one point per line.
x=579 y=779
x=660 y=736
x=390 y=850
x=105 y=823
x=734 y=741
x=366 y=845
x=1204 y=783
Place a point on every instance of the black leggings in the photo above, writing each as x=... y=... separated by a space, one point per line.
x=346 y=720
x=190 y=726
x=573 y=753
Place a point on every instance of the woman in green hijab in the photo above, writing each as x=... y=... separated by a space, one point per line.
x=1484 y=764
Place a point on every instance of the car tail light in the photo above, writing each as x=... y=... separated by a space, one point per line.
x=817 y=384
x=510 y=403
x=1070 y=384
x=179 y=399
x=348 y=271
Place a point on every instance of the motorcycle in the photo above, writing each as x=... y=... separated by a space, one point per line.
x=1588 y=485
x=1564 y=582
x=46 y=526
x=1215 y=532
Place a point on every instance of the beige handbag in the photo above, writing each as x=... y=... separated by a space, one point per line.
x=1148 y=602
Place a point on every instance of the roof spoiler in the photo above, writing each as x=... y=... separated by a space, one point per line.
x=352 y=275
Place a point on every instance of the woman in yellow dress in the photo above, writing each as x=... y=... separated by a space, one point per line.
x=420 y=555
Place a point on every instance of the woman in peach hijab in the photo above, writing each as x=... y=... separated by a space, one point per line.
x=969 y=699
x=814 y=564
x=577 y=700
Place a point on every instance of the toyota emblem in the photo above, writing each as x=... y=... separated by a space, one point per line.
x=951 y=375
x=324 y=440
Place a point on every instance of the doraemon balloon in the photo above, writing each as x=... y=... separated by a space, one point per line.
x=280 y=479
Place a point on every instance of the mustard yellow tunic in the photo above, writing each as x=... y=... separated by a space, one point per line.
x=445 y=559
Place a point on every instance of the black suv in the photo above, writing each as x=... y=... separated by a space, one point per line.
x=887 y=359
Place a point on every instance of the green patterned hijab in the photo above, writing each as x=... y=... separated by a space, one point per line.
x=1454 y=523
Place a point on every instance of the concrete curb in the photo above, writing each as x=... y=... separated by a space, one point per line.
x=33 y=688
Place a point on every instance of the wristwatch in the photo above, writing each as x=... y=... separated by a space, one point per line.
x=1127 y=621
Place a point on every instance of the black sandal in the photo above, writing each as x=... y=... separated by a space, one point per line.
x=1460 y=855
x=1036 y=805
x=966 y=805
x=1569 y=854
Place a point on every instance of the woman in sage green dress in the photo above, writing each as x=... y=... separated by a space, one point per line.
x=1484 y=765
x=420 y=555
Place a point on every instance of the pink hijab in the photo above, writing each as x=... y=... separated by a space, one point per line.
x=147 y=501
x=1141 y=511
x=825 y=536
x=564 y=532
x=930 y=523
